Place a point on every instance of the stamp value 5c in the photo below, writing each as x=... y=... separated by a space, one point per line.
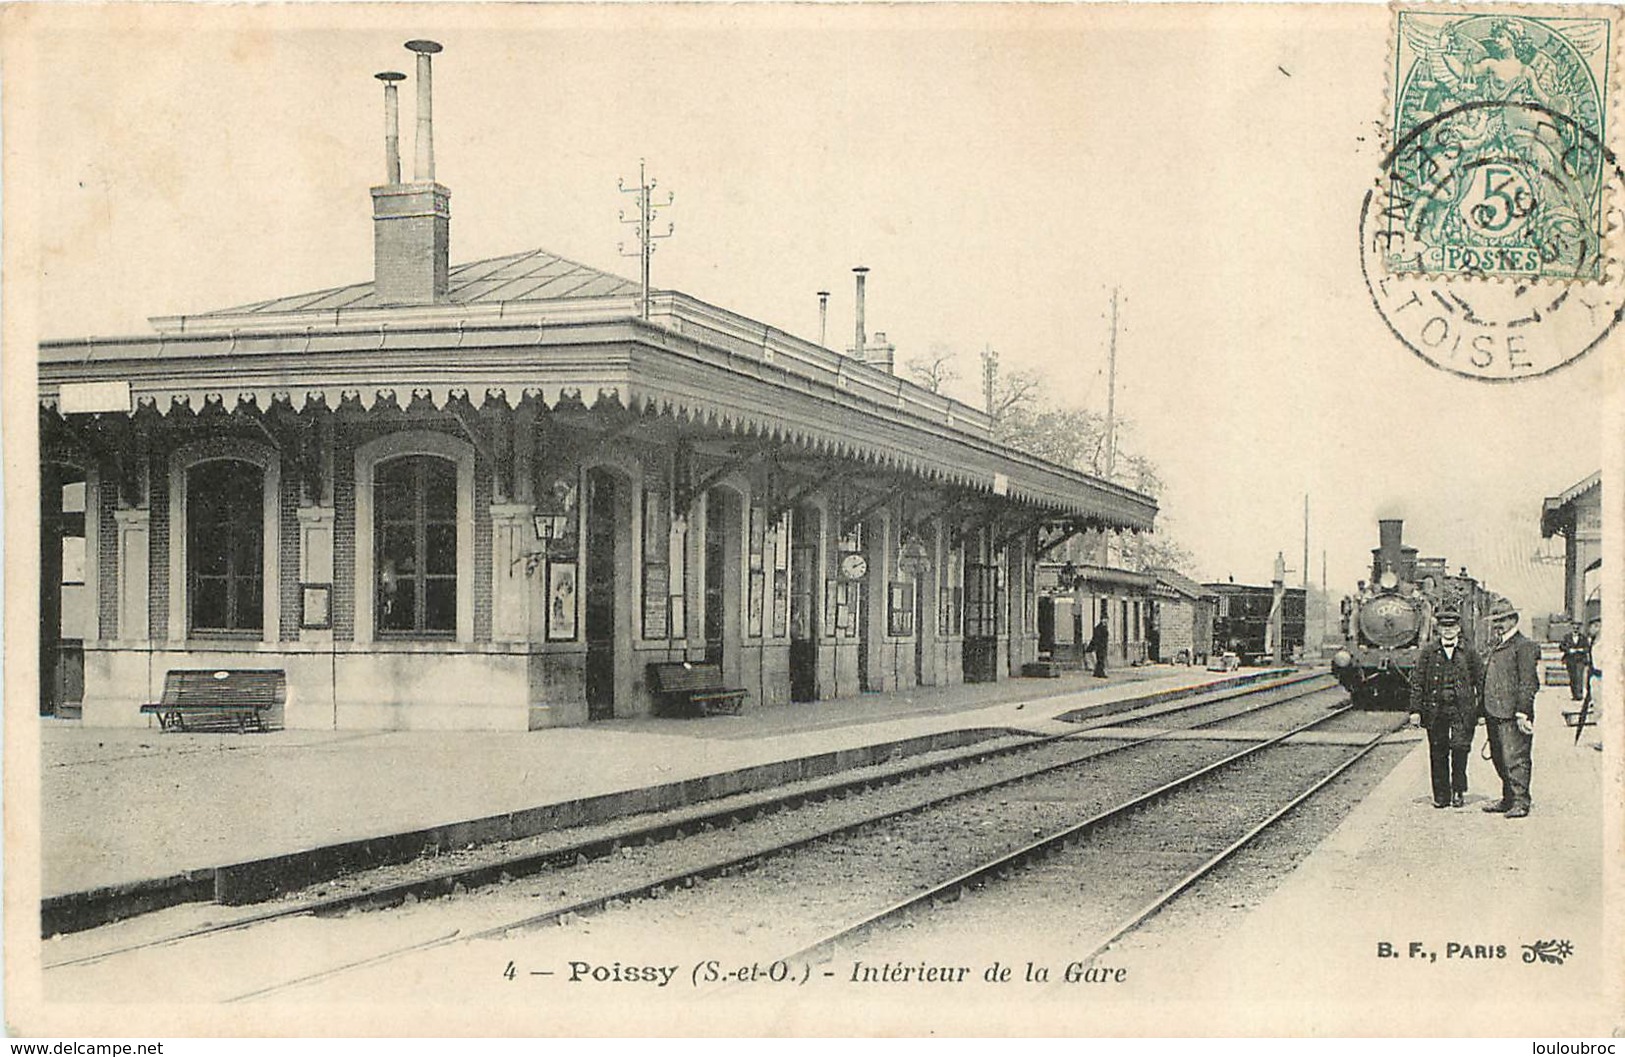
x=1489 y=243
x=1499 y=125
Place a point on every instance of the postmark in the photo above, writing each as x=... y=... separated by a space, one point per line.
x=1489 y=243
x=1500 y=122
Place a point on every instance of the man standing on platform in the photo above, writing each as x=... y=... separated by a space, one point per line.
x=1511 y=681
x=1445 y=688
x=1097 y=645
x=1577 y=659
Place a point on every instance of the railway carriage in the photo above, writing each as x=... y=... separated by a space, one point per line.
x=1242 y=620
x=1388 y=621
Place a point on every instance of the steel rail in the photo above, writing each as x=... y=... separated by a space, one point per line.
x=1179 y=887
x=1046 y=844
x=688 y=875
x=448 y=881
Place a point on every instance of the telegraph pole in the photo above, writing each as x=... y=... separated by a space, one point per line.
x=643 y=226
x=990 y=375
x=1111 y=394
x=1306 y=541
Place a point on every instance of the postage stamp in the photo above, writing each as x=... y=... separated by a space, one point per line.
x=1500 y=125
x=1490 y=242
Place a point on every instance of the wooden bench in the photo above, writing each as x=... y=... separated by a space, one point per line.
x=217 y=699
x=694 y=688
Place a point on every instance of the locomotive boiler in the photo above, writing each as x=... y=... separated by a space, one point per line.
x=1391 y=618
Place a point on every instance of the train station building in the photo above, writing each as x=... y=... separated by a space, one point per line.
x=488 y=496
x=1576 y=515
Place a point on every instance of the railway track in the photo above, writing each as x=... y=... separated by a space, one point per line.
x=1143 y=853
x=1040 y=761
x=505 y=860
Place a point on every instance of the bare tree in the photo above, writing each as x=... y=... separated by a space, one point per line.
x=1074 y=437
x=934 y=370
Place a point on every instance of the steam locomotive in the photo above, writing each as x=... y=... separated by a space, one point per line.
x=1386 y=624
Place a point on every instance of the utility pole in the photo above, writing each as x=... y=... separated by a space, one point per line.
x=990 y=375
x=1111 y=422
x=643 y=226
x=1111 y=394
x=1306 y=541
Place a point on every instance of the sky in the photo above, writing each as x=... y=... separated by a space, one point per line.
x=999 y=171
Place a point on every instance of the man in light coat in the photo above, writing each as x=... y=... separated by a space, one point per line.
x=1511 y=680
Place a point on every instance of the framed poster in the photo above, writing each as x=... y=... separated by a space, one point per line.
x=832 y=598
x=656 y=525
x=314 y=608
x=753 y=605
x=900 y=608
x=679 y=617
x=656 y=601
x=782 y=541
x=561 y=601
x=781 y=603
x=758 y=536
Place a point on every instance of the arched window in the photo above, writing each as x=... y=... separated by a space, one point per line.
x=225 y=547
x=415 y=546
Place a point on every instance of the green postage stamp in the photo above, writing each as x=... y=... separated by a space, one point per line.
x=1500 y=165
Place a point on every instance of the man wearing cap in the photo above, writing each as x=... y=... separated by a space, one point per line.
x=1510 y=683
x=1445 y=688
x=1577 y=659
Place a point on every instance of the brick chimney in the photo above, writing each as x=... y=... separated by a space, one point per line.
x=411 y=222
x=878 y=353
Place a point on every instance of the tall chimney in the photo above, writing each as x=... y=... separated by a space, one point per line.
x=411 y=222
x=423 y=164
x=392 y=126
x=823 y=316
x=860 y=339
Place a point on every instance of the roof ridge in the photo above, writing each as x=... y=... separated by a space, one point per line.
x=366 y=289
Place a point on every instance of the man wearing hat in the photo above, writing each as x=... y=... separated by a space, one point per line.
x=1511 y=681
x=1445 y=688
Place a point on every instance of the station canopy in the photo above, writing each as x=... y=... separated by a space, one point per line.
x=537 y=333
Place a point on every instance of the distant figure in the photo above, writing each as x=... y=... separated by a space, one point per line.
x=1577 y=659
x=1445 y=688
x=1097 y=645
x=1511 y=680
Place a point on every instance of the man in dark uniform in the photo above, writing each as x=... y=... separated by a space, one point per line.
x=1577 y=659
x=1097 y=645
x=1511 y=680
x=1445 y=688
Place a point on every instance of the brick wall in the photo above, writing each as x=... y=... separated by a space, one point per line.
x=158 y=549
x=482 y=585
x=107 y=556
x=288 y=550
x=344 y=445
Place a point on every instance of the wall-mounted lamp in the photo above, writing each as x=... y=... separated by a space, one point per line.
x=550 y=524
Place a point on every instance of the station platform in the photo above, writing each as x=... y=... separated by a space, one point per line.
x=1493 y=926
x=122 y=809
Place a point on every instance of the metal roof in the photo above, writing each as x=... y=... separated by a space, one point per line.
x=1551 y=511
x=1181 y=583
x=535 y=275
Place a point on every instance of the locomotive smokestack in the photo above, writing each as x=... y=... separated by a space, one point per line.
x=1390 y=531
